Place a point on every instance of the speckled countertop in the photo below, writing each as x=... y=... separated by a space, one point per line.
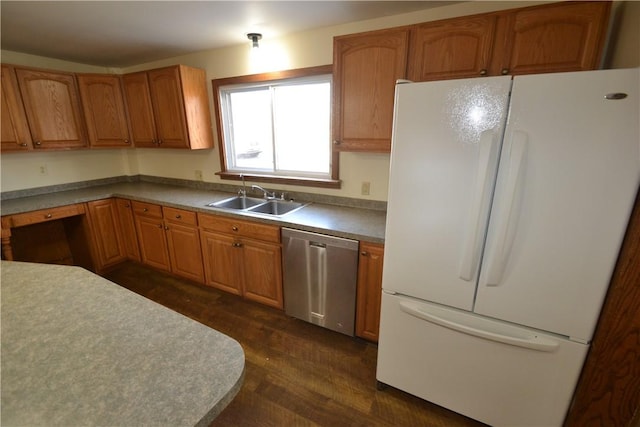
x=80 y=350
x=347 y=222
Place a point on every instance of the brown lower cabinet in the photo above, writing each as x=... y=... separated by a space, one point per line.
x=369 y=290
x=107 y=233
x=154 y=250
x=183 y=240
x=169 y=239
x=125 y=213
x=242 y=257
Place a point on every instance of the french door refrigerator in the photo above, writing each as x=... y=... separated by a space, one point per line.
x=508 y=201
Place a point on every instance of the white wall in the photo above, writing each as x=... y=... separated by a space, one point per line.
x=311 y=48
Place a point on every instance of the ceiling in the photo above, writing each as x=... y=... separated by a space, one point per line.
x=125 y=33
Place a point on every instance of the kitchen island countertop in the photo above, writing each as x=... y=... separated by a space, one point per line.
x=80 y=350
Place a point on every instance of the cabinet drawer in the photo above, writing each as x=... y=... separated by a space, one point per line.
x=179 y=216
x=44 y=215
x=237 y=227
x=147 y=209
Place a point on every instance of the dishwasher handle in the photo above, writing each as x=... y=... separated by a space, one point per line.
x=317 y=244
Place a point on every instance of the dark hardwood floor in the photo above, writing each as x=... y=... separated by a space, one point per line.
x=296 y=374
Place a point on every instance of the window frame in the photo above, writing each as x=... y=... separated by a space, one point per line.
x=225 y=173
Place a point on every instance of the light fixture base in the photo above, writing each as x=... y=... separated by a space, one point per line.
x=254 y=37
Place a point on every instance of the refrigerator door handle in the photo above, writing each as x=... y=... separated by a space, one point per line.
x=487 y=162
x=507 y=215
x=523 y=338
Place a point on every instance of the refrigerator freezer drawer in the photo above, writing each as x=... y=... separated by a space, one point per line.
x=491 y=371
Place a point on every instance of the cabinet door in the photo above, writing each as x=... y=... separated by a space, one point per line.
x=262 y=272
x=107 y=234
x=125 y=213
x=369 y=291
x=15 y=129
x=52 y=105
x=453 y=48
x=138 y=100
x=153 y=243
x=168 y=106
x=567 y=36
x=366 y=68
x=104 y=110
x=184 y=251
x=222 y=256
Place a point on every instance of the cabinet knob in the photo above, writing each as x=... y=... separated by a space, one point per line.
x=160 y=225
x=483 y=72
x=126 y=141
x=337 y=142
x=237 y=245
x=505 y=71
x=364 y=253
x=159 y=141
x=127 y=205
x=38 y=143
x=166 y=228
x=234 y=228
x=178 y=216
x=48 y=216
x=145 y=210
x=24 y=144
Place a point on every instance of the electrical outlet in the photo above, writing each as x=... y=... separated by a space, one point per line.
x=365 y=190
x=42 y=169
x=198 y=175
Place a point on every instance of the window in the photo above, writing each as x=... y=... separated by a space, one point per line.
x=277 y=127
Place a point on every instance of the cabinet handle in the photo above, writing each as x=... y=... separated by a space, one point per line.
x=337 y=142
x=48 y=216
x=38 y=143
x=234 y=228
x=483 y=72
x=178 y=216
x=505 y=71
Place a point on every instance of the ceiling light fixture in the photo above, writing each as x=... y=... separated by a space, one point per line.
x=254 y=37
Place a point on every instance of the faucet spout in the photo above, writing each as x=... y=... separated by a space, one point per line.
x=243 y=191
x=266 y=194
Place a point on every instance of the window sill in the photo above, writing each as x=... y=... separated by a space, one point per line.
x=306 y=182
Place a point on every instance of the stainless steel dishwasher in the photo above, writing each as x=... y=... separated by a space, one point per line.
x=319 y=274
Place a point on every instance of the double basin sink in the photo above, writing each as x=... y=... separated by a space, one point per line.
x=272 y=207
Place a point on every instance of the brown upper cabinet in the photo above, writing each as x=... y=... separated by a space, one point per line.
x=556 y=37
x=453 y=48
x=104 y=110
x=541 y=39
x=15 y=129
x=365 y=69
x=169 y=107
x=52 y=105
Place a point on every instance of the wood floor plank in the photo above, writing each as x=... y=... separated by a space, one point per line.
x=296 y=373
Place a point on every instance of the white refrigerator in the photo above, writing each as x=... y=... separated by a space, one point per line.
x=508 y=201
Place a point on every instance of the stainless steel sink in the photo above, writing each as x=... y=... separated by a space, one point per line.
x=277 y=207
x=259 y=206
x=237 y=202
